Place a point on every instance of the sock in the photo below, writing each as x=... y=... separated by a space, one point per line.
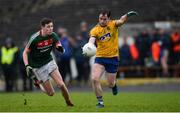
x=100 y=100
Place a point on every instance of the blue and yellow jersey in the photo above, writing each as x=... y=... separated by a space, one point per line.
x=106 y=40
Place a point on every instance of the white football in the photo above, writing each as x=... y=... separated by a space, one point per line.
x=89 y=49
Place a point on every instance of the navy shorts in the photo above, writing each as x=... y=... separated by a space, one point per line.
x=111 y=64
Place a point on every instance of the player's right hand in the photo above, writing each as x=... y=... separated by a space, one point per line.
x=29 y=71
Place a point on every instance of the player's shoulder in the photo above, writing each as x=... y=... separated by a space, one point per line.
x=33 y=36
x=95 y=28
x=112 y=22
x=54 y=35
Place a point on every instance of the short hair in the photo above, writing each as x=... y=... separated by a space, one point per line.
x=45 y=21
x=105 y=11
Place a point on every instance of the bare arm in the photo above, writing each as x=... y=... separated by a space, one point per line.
x=25 y=56
x=92 y=40
x=122 y=20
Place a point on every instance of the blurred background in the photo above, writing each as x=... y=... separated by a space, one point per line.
x=149 y=44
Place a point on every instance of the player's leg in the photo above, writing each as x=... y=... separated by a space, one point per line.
x=56 y=76
x=41 y=81
x=111 y=78
x=38 y=84
x=48 y=88
x=97 y=71
x=40 y=78
x=45 y=86
x=111 y=72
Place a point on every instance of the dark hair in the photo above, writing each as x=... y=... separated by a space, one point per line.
x=105 y=11
x=45 y=21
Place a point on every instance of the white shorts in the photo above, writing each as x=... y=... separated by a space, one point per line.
x=43 y=73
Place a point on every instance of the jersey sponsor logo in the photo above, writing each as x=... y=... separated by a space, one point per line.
x=44 y=50
x=45 y=43
x=106 y=36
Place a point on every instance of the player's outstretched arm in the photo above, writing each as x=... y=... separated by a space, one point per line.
x=124 y=18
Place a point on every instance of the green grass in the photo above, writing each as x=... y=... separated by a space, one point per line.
x=85 y=102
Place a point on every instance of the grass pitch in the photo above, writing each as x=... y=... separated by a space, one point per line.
x=86 y=101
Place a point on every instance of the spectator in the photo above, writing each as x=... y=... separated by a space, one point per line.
x=143 y=43
x=175 y=41
x=125 y=54
x=84 y=30
x=81 y=39
x=63 y=60
x=9 y=59
x=175 y=51
x=82 y=62
x=160 y=50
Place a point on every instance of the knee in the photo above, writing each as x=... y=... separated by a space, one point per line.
x=61 y=84
x=94 y=79
x=50 y=93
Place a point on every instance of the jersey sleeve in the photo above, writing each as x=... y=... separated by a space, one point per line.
x=114 y=23
x=30 y=43
x=93 y=33
x=55 y=37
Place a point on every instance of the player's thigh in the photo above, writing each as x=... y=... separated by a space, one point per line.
x=97 y=71
x=56 y=76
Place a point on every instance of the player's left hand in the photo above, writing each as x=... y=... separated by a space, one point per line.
x=132 y=13
x=29 y=71
x=60 y=49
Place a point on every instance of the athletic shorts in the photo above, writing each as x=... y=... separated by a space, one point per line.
x=111 y=64
x=43 y=73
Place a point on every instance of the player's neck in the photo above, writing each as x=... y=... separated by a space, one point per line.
x=102 y=25
x=43 y=33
